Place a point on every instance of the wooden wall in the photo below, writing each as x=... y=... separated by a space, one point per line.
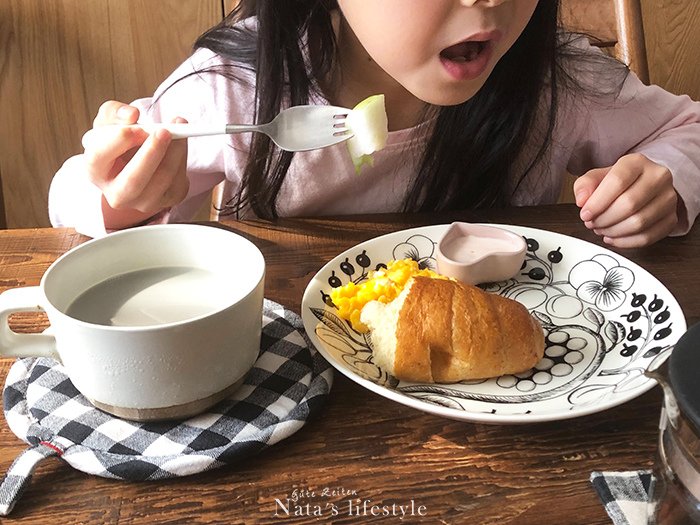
x=60 y=59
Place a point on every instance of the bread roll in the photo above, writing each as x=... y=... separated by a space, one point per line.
x=443 y=331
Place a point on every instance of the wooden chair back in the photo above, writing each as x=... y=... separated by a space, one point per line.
x=614 y=25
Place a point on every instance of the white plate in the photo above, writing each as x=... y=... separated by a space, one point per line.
x=605 y=318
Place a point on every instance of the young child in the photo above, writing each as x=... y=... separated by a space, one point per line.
x=488 y=105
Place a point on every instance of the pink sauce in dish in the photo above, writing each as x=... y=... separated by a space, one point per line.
x=479 y=253
x=471 y=248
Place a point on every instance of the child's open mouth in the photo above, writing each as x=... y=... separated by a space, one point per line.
x=466 y=60
x=463 y=52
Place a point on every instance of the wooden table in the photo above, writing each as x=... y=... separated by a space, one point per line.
x=364 y=446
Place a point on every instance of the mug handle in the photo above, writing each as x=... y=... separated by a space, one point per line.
x=12 y=344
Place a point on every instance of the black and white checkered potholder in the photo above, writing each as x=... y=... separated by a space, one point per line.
x=287 y=385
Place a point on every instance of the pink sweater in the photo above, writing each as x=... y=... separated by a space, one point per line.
x=644 y=119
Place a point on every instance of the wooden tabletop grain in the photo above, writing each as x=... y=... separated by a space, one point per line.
x=363 y=447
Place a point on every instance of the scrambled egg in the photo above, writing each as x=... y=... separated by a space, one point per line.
x=382 y=285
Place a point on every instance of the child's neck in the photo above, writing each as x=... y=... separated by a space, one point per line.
x=357 y=77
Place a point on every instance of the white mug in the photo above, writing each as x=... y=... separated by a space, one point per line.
x=153 y=322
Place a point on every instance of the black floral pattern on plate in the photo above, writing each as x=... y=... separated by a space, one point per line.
x=587 y=312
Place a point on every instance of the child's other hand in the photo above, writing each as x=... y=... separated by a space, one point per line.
x=630 y=204
x=139 y=174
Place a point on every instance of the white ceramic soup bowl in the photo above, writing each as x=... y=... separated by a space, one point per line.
x=175 y=360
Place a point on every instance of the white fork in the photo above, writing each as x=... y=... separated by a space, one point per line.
x=299 y=128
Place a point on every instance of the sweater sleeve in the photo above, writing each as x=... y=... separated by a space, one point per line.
x=75 y=202
x=647 y=120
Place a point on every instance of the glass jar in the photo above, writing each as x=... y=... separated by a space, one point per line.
x=675 y=485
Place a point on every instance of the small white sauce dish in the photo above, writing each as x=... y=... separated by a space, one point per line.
x=475 y=253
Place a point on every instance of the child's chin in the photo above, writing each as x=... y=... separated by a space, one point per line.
x=450 y=95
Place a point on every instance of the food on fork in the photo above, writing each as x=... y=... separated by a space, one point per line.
x=369 y=125
x=444 y=331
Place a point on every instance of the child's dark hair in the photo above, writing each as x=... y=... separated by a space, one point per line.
x=467 y=163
